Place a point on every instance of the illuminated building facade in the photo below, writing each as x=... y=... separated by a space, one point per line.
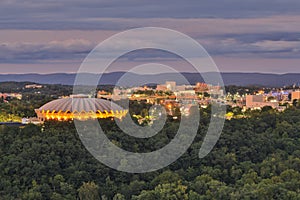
x=259 y=101
x=295 y=95
x=79 y=108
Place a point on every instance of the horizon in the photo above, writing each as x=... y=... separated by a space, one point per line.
x=133 y=79
x=184 y=72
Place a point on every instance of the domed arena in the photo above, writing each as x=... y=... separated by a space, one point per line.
x=79 y=108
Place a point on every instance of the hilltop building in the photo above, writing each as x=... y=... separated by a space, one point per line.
x=79 y=107
x=33 y=86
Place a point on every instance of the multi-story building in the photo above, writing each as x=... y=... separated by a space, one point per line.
x=295 y=95
x=33 y=86
x=171 y=85
x=259 y=101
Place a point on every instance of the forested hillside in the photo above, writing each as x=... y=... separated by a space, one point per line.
x=255 y=158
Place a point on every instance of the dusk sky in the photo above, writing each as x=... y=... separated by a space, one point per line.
x=49 y=36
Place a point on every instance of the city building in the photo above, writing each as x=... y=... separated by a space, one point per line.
x=201 y=87
x=295 y=95
x=11 y=95
x=259 y=101
x=168 y=86
x=31 y=120
x=33 y=86
x=161 y=88
x=186 y=95
x=79 y=107
x=171 y=85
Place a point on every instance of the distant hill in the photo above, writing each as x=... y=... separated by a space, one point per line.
x=240 y=79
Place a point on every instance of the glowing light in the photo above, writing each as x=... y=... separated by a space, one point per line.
x=81 y=115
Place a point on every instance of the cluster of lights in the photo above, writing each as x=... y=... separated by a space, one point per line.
x=83 y=115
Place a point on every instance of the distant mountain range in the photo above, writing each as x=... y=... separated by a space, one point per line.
x=239 y=79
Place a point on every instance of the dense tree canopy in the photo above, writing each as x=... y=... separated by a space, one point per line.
x=255 y=158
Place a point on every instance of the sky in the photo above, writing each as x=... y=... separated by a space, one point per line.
x=52 y=36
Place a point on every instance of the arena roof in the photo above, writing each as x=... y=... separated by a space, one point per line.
x=79 y=108
x=79 y=105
